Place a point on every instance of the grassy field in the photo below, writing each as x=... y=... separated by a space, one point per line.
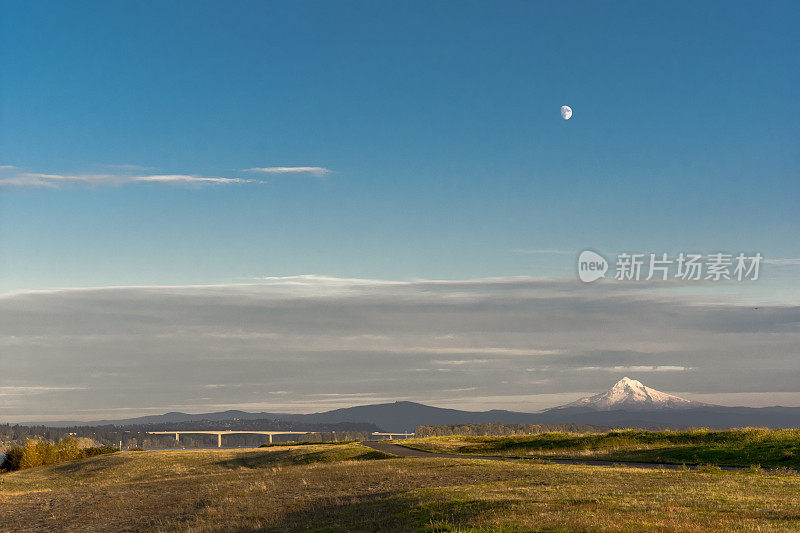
x=353 y=488
x=745 y=447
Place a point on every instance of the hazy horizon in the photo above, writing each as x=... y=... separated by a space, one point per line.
x=310 y=343
x=516 y=403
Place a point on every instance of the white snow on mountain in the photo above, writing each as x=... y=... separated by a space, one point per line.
x=631 y=394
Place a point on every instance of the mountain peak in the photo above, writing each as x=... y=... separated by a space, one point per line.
x=628 y=382
x=629 y=393
x=630 y=387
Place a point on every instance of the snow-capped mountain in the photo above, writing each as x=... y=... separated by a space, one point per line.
x=630 y=394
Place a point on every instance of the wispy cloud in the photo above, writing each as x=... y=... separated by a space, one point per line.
x=635 y=368
x=10 y=179
x=14 y=177
x=24 y=390
x=784 y=261
x=460 y=361
x=183 y=178
x=36 y=179
x=129 y=167
x=543 y=251
x=314 y=171
x=470 y=350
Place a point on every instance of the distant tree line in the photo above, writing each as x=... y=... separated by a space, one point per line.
x=488 y=429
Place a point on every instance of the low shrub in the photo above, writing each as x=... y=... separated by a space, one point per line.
x=12 y=459
x=41 y=452
x=101 y=450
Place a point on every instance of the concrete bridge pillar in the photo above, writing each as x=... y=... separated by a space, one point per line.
x=177 y=437
x=219 y=440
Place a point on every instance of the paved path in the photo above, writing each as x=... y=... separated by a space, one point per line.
x=402 y=451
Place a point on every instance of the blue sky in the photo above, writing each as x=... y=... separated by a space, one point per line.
x=404 y=142
x=439 y=123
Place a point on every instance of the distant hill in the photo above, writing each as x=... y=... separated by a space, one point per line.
x=628 y=403
x=162 y=419
x=405 y=416
x=397 y=416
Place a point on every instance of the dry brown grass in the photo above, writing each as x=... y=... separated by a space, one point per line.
x=338 y=488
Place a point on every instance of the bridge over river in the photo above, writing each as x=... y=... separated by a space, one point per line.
x=220 y=433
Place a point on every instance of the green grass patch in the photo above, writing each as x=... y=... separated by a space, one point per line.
x=739 y=447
